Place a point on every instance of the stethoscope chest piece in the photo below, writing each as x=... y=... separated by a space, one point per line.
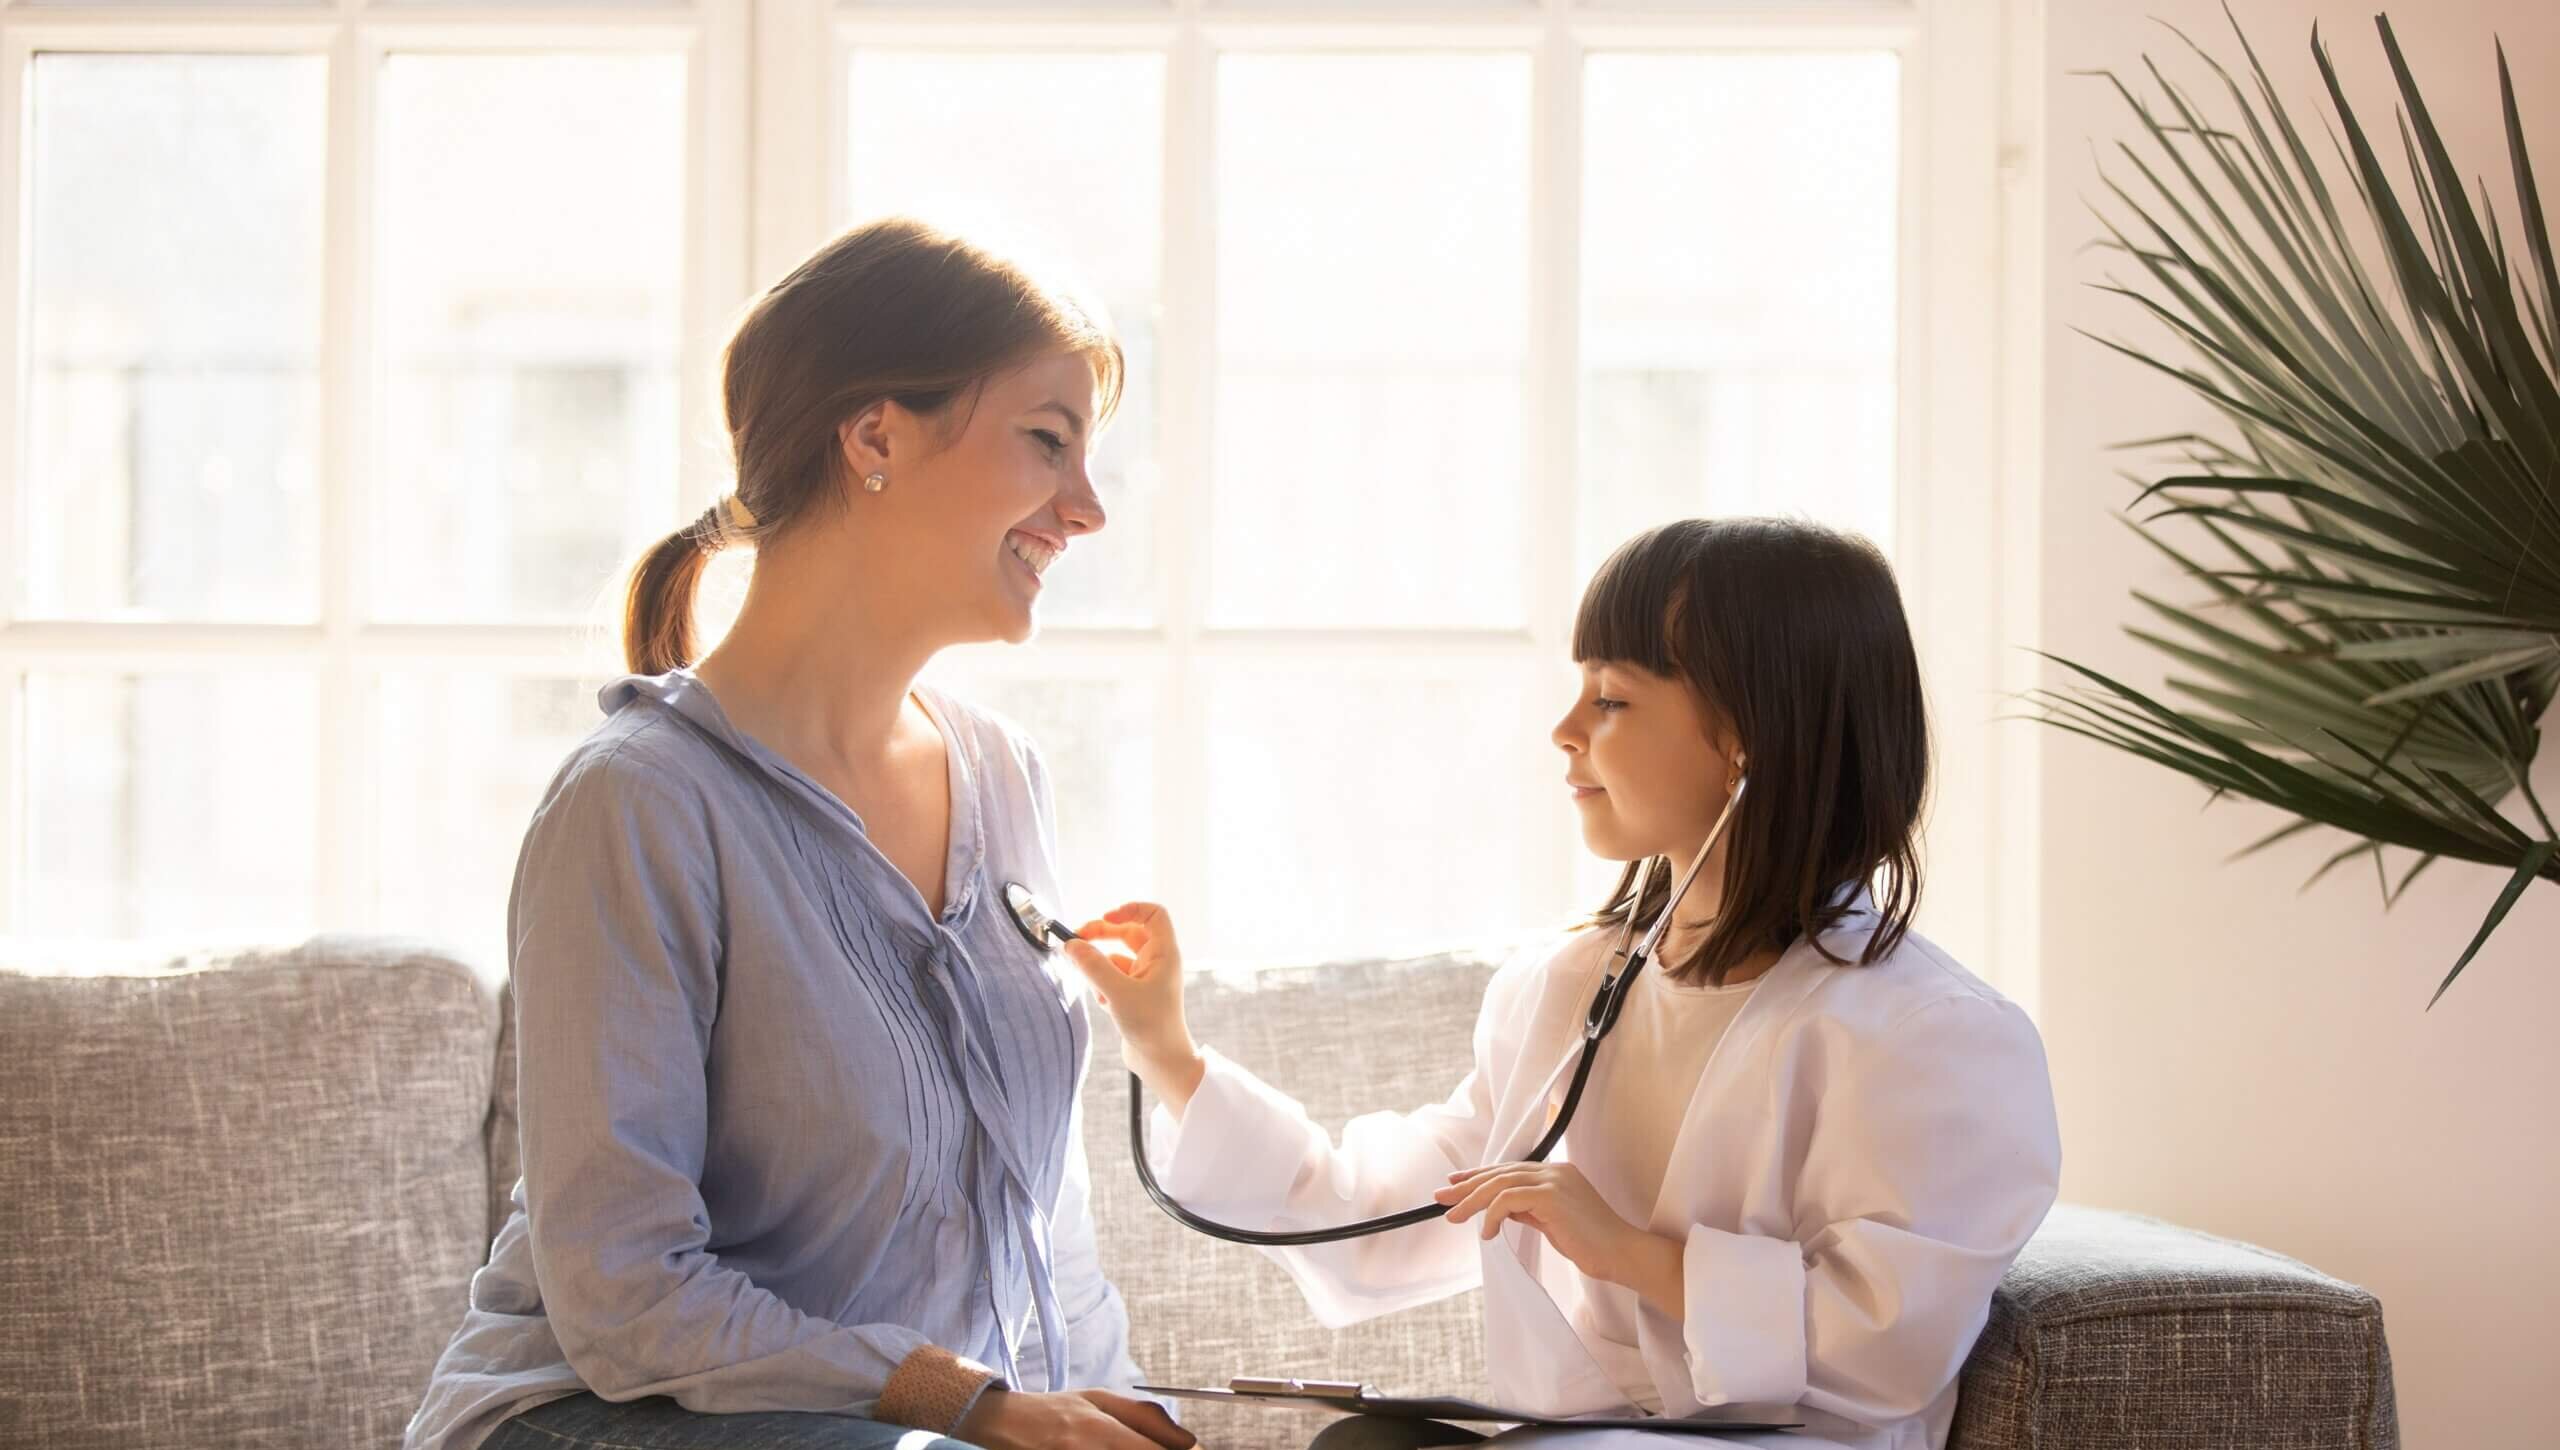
x=1033 y=920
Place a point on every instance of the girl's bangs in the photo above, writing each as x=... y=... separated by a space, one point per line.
x=1629 y=609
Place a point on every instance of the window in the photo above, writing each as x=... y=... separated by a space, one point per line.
x=353 y=361
x=361 y=349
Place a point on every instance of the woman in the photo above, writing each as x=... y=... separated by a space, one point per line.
x=800 y=1164
x=1813 y=1142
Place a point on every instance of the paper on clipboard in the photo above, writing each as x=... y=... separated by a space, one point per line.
x=1344 y=1398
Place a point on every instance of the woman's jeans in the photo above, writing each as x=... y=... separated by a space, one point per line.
x=584 y=1422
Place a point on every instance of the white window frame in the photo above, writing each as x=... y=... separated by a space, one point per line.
x=342 y=649
x=1968 y=287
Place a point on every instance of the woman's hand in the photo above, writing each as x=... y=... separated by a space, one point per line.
x=1014 y=1420
x=1143 y=993
x=1561 y=1205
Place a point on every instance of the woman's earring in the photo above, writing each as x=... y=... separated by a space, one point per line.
x=875 y=483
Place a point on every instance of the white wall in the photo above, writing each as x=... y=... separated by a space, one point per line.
x=2227 y=1053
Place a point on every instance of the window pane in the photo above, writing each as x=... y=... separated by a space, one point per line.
x=1372 y=308
x=1056 y=160
x=1360 y=815
x=463 y=760
x=1097 y=738
x=531 y=237
x=174 y=335
x=170 y=804
x=1738 y=250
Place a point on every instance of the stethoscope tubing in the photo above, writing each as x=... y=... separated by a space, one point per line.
x=1598 y=1019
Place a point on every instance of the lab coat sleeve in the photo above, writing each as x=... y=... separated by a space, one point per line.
x=616 y=949
x=1924 y=1174
x=1246 y=1153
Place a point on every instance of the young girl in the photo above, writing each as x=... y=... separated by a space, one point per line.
x=1812 y=1144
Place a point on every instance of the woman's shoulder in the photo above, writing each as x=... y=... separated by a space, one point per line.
x=640 y=759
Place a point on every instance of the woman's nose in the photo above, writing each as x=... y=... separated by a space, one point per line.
x=1080 y=509
x=1566 y=735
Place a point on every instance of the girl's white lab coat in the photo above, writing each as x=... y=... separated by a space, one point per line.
x=1865 y=1154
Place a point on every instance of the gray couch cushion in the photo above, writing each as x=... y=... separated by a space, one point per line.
x=2118 y=1330
x=245 y=1195
x=1346 y=1039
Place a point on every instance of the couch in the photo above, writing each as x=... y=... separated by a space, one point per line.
x=245 y=1192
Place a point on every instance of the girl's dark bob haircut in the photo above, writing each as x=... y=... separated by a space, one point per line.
x=1793 y=635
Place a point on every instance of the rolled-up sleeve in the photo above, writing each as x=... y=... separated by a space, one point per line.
x=1927 y=1172
x=616 y=937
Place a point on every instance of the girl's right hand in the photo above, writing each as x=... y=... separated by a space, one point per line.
x=1143 y=993
x=1016 y=1420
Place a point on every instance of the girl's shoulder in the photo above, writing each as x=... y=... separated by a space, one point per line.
x=1916 y=986
x=1549 y=973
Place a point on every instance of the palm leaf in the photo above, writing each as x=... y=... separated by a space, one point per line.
x=2381 y=641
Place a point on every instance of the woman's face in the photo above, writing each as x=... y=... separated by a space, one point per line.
x=1647 y=764
x=980 y=514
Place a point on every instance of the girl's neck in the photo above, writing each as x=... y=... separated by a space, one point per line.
x=1694 y=916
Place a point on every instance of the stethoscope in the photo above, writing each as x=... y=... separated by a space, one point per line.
x=1040 y=929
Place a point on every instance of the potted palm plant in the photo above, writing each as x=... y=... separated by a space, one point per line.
x=2374 y=536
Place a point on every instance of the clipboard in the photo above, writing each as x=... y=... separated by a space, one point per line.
x=1344 y=1398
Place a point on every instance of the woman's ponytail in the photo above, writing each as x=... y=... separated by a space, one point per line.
x=657 y=618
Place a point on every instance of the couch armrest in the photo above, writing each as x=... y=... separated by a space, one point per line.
x=2114 y=1329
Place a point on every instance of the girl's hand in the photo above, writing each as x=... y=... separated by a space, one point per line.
x=1143 y=993
x=1014 y=1420
x=1557 y=1201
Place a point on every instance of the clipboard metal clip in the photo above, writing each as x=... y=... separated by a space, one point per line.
x=1315 y=1389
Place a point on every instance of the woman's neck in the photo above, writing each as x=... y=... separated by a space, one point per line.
x=791 y=673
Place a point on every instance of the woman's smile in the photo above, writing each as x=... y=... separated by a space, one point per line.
x=1033 y=553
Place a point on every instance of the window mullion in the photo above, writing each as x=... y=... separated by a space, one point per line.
x=719 y=197
x=1188 y=379
x=1552 y=378
x=345 y=864
x=13 y=541
x=794 y=74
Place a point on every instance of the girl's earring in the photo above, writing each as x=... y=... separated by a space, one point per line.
x=875 y=483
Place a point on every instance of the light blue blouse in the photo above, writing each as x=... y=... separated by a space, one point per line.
x=781 y=1125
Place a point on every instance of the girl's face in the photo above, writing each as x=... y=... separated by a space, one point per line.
x=1647 y=762
x=978 y=516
